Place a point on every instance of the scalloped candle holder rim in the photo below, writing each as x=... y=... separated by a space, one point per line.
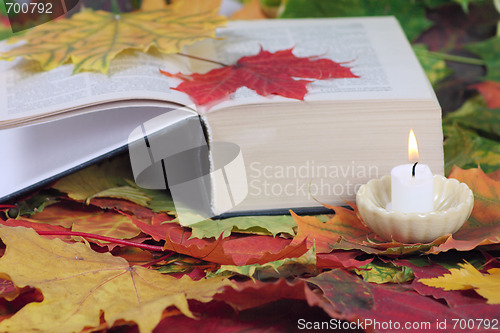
x=423 y=215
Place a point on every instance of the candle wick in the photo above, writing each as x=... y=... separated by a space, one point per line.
x=413 y=169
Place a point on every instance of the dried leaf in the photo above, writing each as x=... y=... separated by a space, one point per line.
x=251 y=294
x=112 y=179
x=218 y=317
x=483 y=226
x=267 y=73
x=88 y=219
x=262 y=225
x=8 y=290
x=36 y=225
x=91 y=39
x=491 y=93
x=468 y=277
x=133 y=255
x=344 y=225
x=182 y=264
x=104 y=180
x=35 y=203
x=341 y=259
x=346 y=231
x=147 y=5
x=83 y=283
x=343 y=292
x=161 y=201
x=381 y=272
x=26 y=295
x=486 y=196
x=242 y=250
x=345 y=296
x=128 y=207
x=215 y=317
x=424 y=268
x=275 y=269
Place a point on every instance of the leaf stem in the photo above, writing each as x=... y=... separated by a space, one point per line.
x=103 y=238
x=451 y=57
x=202 y=59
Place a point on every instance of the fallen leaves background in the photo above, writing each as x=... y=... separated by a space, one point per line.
x=265 y=273
x=78 y=283
x=330 y=261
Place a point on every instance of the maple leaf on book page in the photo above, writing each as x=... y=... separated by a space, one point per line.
x=78 y=284
x=91 y=39
x=267 y=73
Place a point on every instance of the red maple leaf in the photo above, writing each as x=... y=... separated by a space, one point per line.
x=491 y=93
x=267 y=73
x=4 y=20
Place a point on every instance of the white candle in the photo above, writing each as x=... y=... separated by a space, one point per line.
x=412 y=186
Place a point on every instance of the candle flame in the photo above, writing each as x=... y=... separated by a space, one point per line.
x=412 y=148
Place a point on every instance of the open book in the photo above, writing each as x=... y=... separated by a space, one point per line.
x=346 y=132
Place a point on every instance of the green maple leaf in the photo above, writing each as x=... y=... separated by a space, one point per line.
x=467 y=149
x=380 y=272
x=477 y=116
x=411 y=14
x=262 y=225
x=274 y=269
x=489 y=51
x=472 y=137
x=465 y=4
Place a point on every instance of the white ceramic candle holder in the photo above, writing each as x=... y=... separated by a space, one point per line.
x=453 y=202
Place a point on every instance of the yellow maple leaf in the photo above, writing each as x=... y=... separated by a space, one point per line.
x=91 y=39
x=468 y=277
x=78 y=283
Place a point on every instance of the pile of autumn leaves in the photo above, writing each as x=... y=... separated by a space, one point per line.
x=152 y=272
x=113 y=255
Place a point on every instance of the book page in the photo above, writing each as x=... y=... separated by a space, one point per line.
x=375 y=48
x=27 y=91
